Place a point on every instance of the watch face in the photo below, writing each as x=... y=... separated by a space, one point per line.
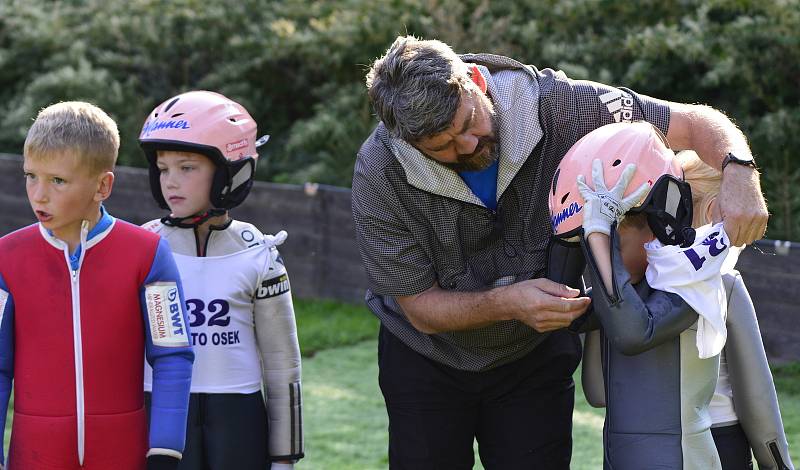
x=748 y=158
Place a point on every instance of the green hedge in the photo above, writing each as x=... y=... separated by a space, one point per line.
x=299 y=65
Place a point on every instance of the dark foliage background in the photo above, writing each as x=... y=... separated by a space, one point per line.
x=299 y=65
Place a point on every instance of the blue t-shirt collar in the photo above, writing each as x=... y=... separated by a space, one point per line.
x=483 y=184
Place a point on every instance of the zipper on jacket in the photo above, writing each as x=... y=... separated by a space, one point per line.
x=77 y=341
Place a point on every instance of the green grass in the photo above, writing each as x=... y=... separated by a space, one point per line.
x=323 y=324
x=344 y=418
x=787 y=378
x=787 y=382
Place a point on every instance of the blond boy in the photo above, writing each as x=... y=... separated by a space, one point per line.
x=83 y=296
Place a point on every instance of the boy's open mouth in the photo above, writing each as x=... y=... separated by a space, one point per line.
x=43 y=216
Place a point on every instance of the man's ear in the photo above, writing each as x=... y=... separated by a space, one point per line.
x=105 y=181
x=478 y=78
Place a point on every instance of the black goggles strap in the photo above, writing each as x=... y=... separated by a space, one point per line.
x=192 y=220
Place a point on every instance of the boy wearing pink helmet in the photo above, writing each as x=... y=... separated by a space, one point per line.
x=201 y=151
x=662 y=325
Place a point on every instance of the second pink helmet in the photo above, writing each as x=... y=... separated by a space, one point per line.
x=668 y=205
x=210 y=124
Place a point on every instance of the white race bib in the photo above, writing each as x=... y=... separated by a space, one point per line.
x=220 y=293
x=694 y=273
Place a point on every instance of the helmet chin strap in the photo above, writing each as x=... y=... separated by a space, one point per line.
x=191 y=221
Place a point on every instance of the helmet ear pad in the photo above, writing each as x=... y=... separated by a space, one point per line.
x=669 y=211
x=232 y=182
x=155 y=186
x=154 y=177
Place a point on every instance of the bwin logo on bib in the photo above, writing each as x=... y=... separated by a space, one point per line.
x=164 y=312
x=620 y=104
x=273 y=287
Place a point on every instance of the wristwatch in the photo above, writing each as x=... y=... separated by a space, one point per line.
x=731 y=158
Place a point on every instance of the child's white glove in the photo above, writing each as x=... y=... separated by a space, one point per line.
x=603 y=207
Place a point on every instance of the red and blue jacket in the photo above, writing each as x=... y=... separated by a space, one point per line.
x=73 y=331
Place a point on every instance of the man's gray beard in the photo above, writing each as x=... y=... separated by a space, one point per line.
x=474 y=162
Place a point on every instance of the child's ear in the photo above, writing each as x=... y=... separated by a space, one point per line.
x=105 y=181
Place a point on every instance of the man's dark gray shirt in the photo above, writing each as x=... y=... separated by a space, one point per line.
x=417 y=222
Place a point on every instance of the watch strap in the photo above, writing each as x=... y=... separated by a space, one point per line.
x=731 y=158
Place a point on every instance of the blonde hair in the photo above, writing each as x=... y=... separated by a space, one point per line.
x=76 y=127
x=705 y=182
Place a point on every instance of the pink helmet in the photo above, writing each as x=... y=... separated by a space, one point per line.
x=669 y=202
x=210 y=124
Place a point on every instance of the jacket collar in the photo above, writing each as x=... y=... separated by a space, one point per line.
x=93 y=237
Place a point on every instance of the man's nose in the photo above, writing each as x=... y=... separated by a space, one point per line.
x=466 y=143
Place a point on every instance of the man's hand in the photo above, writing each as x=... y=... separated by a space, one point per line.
x=540 y=303
x=742 y=205
x=712 y=135
x=545 y=305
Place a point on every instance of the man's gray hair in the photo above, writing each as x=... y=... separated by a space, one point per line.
x=416 y=87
